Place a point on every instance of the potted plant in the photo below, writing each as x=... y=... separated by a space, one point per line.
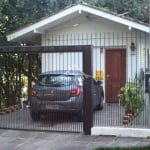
x=131 y=98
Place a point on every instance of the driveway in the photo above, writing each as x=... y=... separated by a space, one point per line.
x=111 y=115
x=22 y=140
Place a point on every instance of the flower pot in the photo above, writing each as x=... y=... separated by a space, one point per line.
x=129 y=113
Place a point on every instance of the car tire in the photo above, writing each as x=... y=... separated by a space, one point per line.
x=35 y=116
x=80 y=116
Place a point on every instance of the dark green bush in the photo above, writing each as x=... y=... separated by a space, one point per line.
x=125 y=148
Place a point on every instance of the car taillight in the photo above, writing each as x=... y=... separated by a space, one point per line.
x=75 y=92
x=32 y=92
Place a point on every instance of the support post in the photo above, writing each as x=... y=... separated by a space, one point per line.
x=87 y=91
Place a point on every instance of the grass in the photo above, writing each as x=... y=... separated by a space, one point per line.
x=126 y=148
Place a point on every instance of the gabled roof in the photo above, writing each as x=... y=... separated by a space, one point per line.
x=71 y=11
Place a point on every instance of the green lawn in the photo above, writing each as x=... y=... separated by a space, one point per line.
x=129 y=148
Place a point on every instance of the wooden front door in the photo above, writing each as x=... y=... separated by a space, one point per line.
x=115 y=73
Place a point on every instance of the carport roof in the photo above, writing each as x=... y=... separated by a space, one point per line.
x=46 y=23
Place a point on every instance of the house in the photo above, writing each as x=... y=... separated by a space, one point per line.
x=120 y=44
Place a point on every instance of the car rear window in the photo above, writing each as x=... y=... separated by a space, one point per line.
x=54 y=80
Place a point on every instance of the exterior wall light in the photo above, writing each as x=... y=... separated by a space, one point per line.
x=132 y=47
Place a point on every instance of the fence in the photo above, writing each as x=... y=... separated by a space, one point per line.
x=119 y=60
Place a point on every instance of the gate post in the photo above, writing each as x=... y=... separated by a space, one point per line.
x=29 y=74
x=87 y=91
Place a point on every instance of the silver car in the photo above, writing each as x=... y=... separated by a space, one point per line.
x=62 y=91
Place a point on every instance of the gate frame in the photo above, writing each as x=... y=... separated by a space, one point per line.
x=87 y=70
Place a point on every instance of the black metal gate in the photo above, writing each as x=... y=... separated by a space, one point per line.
x=126 y=102
x=20 y=68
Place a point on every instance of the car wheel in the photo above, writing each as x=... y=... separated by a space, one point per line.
x=35 y=116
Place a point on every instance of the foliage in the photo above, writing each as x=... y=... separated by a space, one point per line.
x=7 y=86
x=13 y=70
x=19 y=12
x=130 y=97
x=138 y=9
x=61 y=4
x=125 y=148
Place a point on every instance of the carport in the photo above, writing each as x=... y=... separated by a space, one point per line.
x=17 y=116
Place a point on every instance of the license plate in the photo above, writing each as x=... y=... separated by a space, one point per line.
x=52 y=106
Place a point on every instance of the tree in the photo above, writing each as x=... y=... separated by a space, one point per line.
x=138 y=9
x=13 y=68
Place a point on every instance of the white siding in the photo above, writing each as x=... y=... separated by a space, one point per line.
x=100 y=33
x=62 y=61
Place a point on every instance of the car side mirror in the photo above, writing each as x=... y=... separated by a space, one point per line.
x=99 y=82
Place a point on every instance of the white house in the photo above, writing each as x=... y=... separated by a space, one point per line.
x=120 y=44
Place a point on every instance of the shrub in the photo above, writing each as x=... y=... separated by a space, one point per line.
x=130 y=97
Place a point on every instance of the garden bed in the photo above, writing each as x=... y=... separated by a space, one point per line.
x=10 y=109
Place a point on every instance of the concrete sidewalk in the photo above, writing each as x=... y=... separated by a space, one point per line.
x=28 y=140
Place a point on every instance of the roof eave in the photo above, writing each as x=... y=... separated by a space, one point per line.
x=34 y=27
x=116 y=18
x=77 y=8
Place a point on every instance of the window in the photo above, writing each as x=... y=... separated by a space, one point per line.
x=54 y=80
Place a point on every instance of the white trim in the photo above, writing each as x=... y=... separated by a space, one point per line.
x=41 y=23
x=115 y=18
x=78 y=8
x=121 y=132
